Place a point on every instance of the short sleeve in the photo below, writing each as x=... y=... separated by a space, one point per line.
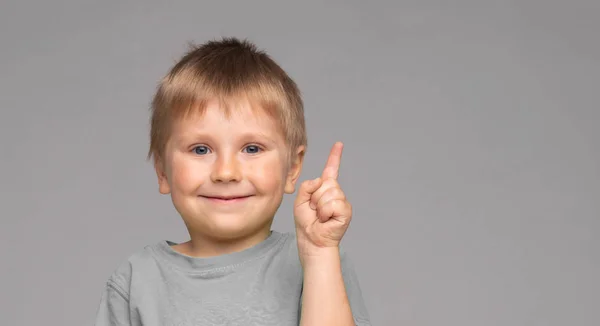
x=354 y=292
x=114 y=306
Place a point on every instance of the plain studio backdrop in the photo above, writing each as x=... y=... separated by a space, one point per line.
x=472 y=153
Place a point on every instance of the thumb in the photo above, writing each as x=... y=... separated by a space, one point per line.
x=307 y=188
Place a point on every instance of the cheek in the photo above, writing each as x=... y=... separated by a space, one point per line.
x=268 y=176
x=187 y=174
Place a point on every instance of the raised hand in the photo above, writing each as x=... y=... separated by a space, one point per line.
x=322 y=213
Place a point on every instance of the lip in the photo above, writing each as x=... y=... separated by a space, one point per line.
x=226 y=200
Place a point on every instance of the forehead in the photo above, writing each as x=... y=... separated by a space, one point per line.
x=234 y=118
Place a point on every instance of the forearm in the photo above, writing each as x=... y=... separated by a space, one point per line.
x=324 y=298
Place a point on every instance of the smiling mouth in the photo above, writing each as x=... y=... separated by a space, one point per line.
x=226 y=199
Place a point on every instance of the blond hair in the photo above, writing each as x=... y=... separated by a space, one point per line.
x=226 y=70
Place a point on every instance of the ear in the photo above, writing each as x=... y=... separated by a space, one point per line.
x=294 y=170
x=163 y=182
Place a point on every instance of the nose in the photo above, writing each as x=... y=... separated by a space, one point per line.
x=226 y=169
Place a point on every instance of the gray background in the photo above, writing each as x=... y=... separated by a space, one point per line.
x=472 y=148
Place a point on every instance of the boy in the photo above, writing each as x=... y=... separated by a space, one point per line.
x=228 y=141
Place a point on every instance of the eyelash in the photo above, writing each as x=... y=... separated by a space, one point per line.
x=258 y=147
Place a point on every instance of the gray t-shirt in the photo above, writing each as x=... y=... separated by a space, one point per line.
x=261 y=285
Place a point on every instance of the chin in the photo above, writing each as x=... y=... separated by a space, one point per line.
x=228 y=229
x=226 y=223
x=232 y=232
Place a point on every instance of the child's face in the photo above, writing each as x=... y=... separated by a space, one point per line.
x=226 y=176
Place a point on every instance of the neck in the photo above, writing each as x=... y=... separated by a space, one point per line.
x=202 y=245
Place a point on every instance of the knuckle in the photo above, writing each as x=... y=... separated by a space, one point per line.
x=331 y=183
x=334 y=190
x=340 y=193
x=327 y=206
x=305 y=184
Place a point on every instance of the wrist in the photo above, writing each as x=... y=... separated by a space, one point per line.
x=323 y=257
x=325 y=300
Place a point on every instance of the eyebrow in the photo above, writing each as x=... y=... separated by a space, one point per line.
x=257 y=134
x=267 y=139
x=247 y=135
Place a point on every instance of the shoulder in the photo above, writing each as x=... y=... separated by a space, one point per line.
x=287 y=250
x=131 y=268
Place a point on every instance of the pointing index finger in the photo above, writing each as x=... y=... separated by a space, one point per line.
x=332 y=167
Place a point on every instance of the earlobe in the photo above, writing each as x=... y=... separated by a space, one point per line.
x=290 y=186
x=294 y=171
x=163 y=182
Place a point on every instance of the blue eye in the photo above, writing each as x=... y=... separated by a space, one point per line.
x=252 y=149
x=201 y=150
